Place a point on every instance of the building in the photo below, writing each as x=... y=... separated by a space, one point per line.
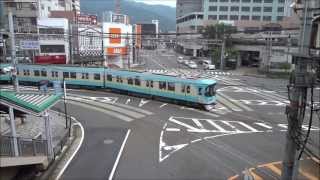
x=54 y=41
x=156 y=22
x=117 y=44
x=148 y=35
x=25 y=14
x=47 y=6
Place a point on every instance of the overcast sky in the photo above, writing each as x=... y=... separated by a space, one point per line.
x=171 y=3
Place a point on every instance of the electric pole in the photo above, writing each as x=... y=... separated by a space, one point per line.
x=222 y=53
x=13 y=52
x=298 y=87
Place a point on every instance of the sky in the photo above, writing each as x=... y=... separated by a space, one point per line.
x=171 y=3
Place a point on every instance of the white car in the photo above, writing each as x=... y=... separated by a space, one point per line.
x=180 y=59
x=209 y=66
x=192 y=65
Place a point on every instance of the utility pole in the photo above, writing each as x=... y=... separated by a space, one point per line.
x=298 y=87
x=222 y=53
x=13 y=52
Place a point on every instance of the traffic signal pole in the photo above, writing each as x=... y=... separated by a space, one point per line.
x=13 y=52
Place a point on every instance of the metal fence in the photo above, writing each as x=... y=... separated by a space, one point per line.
x=26 y=147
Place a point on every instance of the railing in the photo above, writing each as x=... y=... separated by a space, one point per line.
x=26 y=147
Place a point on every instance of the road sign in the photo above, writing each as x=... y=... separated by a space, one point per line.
x=29 y=44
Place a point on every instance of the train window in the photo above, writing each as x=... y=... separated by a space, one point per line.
x=183 y=88
x=130 y=81
x=109 y=77
x=119 y=79
x=73 y=75
x=137 y=81
x=151 y=84
x=162 y=85
x=36 y=73
x=28 y=72
x=65 y=74
x=85 y=76
x=147 y=83
x=17 y=71
x=200 y=91
x=96 y=77
x=54 y=73
x=188 y=89
x=210 y=91
x=25 y=72
x=43 y=73
x=171 y=86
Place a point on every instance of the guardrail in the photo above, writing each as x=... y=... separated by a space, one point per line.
x=26 y=146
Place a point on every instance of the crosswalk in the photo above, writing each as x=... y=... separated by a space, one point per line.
x=187 y=131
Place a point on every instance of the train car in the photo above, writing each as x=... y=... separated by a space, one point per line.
x=5 y=70
x=177 y=89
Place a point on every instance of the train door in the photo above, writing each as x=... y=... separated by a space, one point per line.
x=149 y=85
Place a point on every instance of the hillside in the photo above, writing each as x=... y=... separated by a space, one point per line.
x=138 y=12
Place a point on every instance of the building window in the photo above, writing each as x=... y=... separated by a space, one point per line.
x=234 y=17
x=267 y=9
x=36 y=73
x=245 y=8
x=244 y=17
x=213 y=8
x=256 y=9
x=256 y=18
x=213 y=0
x=281 y=1
x=223 y=17
x=65 y=74
x=109 y=77
x=246 y=1
x=257 y=1
x=42 y=6
x=52 y=48
x=234 y=8
x=279 y=18
x=44 y=73
x=171 y=86
x=267 y=18
x=162 y=85
x=268 y=1
x=235 y=0
x=280 y=9
x=212 y=17
x=223 y=8
x=73 y=75
x=96 y=77
x=224 y=0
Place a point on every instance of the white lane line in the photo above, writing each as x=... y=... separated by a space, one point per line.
x=227 y=103
x=119 y=155
x=198 y=123
x=216 y=125
x=173 y=129
x=75 y=152
x=163 y=105
x=235 y=102
x=248 y=127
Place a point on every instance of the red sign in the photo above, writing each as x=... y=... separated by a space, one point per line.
x=117 y=51
x=58 y=59
x=115 y=35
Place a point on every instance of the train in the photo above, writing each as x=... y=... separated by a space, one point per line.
x=177 y=89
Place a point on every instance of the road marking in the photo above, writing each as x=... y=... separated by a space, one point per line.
x=237 y=103
x=285 y=126
x=172 y=129
x=163 y=105
x=143 y=102
x=227 y=103
x=75 y=152
x=254 y=175
x=274 y=169
x=264 y=125
x=119 y=155
x=247 y=126
x=128 y=100
x=216 y=125
x=197 y=122
x=230 y=125
x=202 y=112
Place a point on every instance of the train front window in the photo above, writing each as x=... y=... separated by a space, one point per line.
x=210 y=91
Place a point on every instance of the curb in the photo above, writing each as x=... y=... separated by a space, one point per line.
x=54 y=172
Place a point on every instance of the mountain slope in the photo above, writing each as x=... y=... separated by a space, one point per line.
x=138 y=12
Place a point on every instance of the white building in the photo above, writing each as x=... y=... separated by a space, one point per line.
x=53 y=41
x=90 y=40
x=117 y=44
x=46 y=6
x=156 y=22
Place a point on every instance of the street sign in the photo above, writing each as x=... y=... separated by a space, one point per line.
x=29 y=44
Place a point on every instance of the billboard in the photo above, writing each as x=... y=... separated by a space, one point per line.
x=87 y=19
x=115 y=35
x=117 y=51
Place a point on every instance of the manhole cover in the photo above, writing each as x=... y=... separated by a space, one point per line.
x=108 y=141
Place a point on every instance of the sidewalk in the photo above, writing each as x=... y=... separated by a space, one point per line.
x=34 y=127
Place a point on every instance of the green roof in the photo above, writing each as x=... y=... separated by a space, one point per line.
x=34 y=102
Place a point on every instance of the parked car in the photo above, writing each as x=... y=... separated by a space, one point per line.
x=207 y=65
x=180 y=59
x=192 y=65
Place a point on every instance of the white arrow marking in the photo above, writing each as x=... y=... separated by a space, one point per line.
x=143 y=102
x=128 y=100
